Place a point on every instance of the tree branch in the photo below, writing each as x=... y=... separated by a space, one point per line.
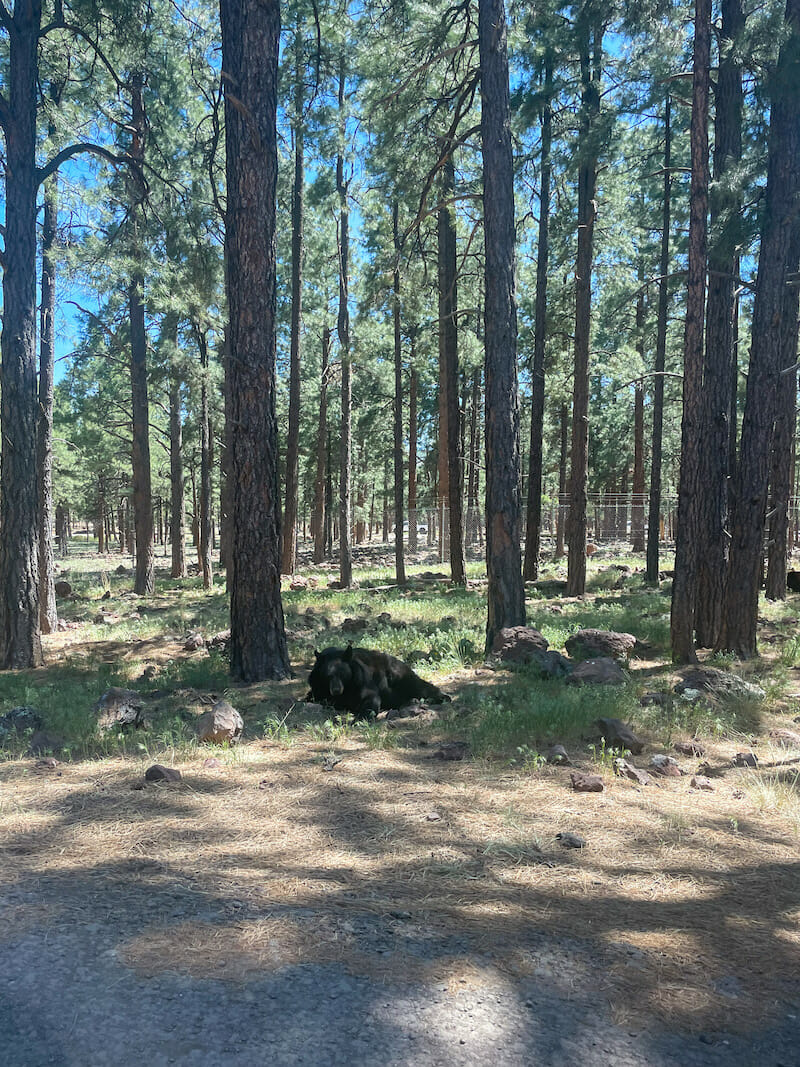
x=42 y=173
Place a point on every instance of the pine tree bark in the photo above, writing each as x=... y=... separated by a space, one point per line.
x=204 y=523
x=320 y=512
x=590 y=33
x=562 y=480
x=399 y=548
x=250 y=39
x=657 y=433
x=177 y=514
x=782 y=478
x=530 y=571
x=413 y=518
x=777 y=260
x=48 y=614
x=725 y=202
x=343 y=329
x=450 y=449
x=637 y=506
x=144 y=579
x=506 y=591
x=691 y=488
x=20 y=635
x=289 y=552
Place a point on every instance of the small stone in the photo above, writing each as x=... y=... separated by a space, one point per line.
x=745 y=759
x=699 y=781
x=121 y=569
x=354 y=626
x=63 y=588
x=665 y=766
x=159 y=773
x=619 y=735
x=212 y=762
x=557 y=754
x=785 y=738
x=433 y=816
x=570 y=840
x=384 y=618
x=586 y=783
x=625 y=769
x=194 y=642
x=690 y=748
x=222 y=724
x=659 y=700
x=452 y=750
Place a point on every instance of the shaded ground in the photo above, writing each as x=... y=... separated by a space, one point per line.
x=396 y=910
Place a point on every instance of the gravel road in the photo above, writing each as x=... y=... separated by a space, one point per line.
x=68 y=998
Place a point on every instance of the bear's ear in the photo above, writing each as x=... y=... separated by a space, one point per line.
x=348 y=652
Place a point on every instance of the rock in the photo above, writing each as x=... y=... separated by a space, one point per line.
x=106 y=618
x=517 y=644
x=194 y=642
x=597 y=672
x=46 y=764
x=120 y=707
x=212 y=763
x=63 y=588
x=625 y=769
x=219 y=640
x=618 y=734
x=433 y=816
x=557 y=754
x=594 y=644
x=665 y=766
x=745 y=759
x=18 y=720
x=384 y=618
x=689 y=748
x=298 y=582
x=549 y=664
x=222 y=724
x=330 y=762
x=106 y=595
x=158 y=773
x=691 y=696
x=659 y=700
x=591 y=549
x=699 y=781
x=121 y=569
x=43 y=741
x=570 y=840
x=586 y=783
x=720 y=685
x=784 y=738
x=151 y=671
x=354 y=626
x=452 y=750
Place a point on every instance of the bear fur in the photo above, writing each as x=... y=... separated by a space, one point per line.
x=793 y=581
x=364 y=682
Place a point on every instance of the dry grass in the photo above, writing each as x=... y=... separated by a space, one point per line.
x=678 y=890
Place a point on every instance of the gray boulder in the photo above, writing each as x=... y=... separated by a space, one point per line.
x=222 y=724
x=718 y=685
x=18 y=720
x=593 y=644
x=120 y=708
x=518 y=644
x=597 y=672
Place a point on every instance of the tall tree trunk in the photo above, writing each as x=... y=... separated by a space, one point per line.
x=654 y=506
x=506 y=591
x=782 y=477
x=773 y=299
x=48 y=613
x=691 y=489
x=343 y=328
x=474 y=459
x=144 y=580
x=250 y=40
x=177 y=514
x=450 y=453
x=530 y=571
x=399 y=556
x=413 y=519
x=204 y=524
x=226 y=474
x=590 y=33
x=725 y=228
x=20 y=635
x=289 y=554
x=320 y=511
x=637 y=504
x=562 y=480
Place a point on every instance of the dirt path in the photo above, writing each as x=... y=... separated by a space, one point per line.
x=396 y=910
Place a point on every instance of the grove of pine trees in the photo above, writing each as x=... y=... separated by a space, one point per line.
x=289 y=276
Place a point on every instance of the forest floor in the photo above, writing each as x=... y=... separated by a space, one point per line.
x=329 y=893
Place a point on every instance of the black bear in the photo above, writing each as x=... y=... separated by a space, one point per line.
x=364 y=682
x=793 y=581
